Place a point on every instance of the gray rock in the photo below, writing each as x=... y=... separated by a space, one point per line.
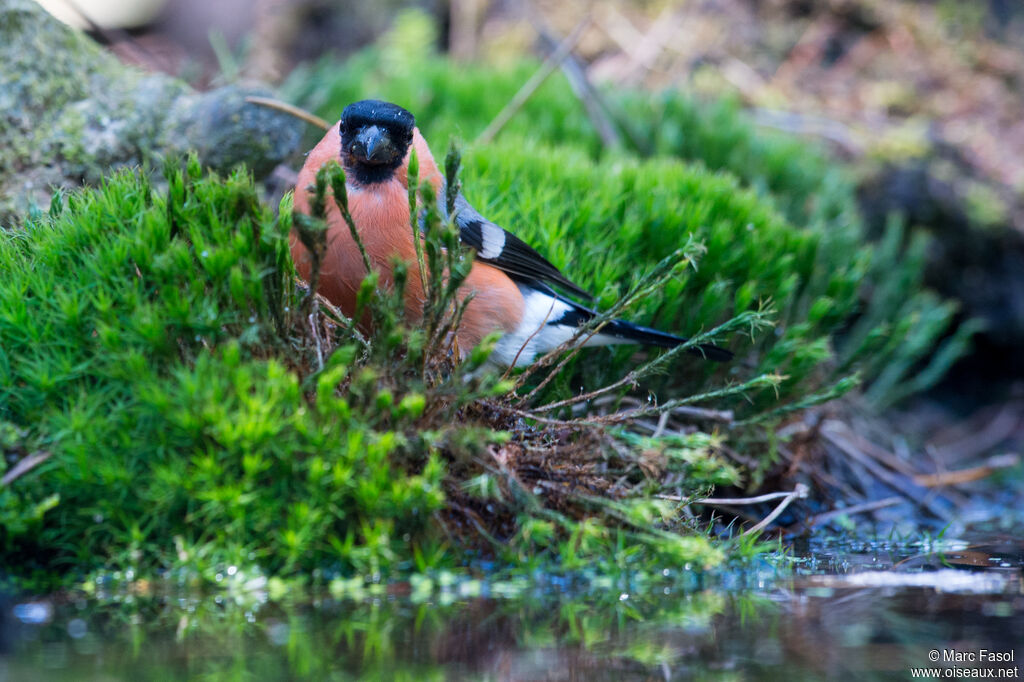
x=70 y=113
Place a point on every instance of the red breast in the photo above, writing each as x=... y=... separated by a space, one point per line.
x=381 y=215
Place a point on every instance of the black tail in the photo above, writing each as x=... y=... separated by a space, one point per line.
x=652 y=337
x=629 y=332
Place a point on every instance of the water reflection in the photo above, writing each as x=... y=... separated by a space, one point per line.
x=799 y=627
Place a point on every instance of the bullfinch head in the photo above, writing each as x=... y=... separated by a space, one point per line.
x=375 y=137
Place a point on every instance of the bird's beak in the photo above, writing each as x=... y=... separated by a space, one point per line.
x=373 y=146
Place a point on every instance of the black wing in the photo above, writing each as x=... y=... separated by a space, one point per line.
x=497 y=246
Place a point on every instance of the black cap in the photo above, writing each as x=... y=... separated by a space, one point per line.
x=376 y=112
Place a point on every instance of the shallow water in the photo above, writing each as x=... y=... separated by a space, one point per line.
x=837 y=612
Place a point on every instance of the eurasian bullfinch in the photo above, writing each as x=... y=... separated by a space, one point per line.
x=514 y=285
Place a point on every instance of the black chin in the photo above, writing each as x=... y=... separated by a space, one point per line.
x=370 y=173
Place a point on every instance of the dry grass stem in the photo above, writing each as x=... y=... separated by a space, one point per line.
x=535 y=81
x=800 y=491
x=290 y=109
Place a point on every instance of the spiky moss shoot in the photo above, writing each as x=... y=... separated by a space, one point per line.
x=170 y=399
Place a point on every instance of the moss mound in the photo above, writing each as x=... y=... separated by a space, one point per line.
x=184 y=406
x=150 y=343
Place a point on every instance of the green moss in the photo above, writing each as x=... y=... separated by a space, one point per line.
x=985 y=207
x=154 y=343
x=462 y=99
x=578 y=211
x=145 y=344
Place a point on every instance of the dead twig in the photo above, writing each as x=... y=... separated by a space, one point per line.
x=765 y=380
x=313 y=318
x=538 y=330
x=902 y=484
x=285 y=108
x=826 y=128
x=959 y=476
x=800 y=491
x=588 y=95
x=874 y=451
x=853 y=509
x=651 y=44
x=703 y=413
x=733 y=501
x=662 y=421
x=977 y=441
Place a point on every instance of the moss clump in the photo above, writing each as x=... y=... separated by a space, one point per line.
x=200 y=411
x=150 y=342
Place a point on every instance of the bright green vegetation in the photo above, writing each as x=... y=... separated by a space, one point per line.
x=154 y=344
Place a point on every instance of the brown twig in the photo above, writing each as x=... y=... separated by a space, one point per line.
x=959 y=476
x=332 y=312
x=285 y=108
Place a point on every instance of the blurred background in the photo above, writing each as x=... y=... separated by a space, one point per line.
x=918 y=101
